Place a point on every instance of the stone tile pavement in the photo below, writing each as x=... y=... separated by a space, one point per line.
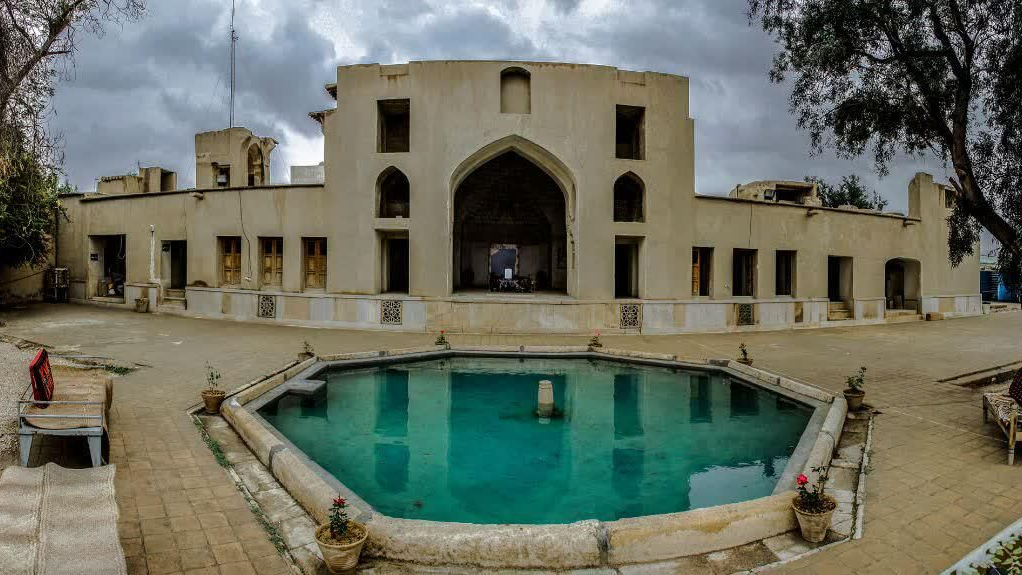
x=940 y=484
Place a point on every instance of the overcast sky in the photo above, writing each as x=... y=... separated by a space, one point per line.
x=140 y=93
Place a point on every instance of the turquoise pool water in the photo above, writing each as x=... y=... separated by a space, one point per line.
x=458 y=440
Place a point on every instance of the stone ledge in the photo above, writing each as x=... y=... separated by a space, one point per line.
x=672 y=535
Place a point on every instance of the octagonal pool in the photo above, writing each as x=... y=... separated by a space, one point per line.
x=459 y=439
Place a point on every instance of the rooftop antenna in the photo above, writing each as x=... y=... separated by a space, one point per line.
x=234 y=39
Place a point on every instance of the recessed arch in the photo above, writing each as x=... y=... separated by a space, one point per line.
x=535 y=153
x=256 y=172
x=629 y=198
x=525 y=155
x=902 y=284
x=515 y=91
x=393 y=194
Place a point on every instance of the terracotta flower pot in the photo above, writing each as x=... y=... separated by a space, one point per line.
x=340 y=558
x=854 y=399
x=213 y=398
x=814 y=526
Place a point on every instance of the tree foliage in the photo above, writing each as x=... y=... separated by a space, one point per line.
x=38 y=40
x=850 y=191
x=29 y=205
x=915 y=76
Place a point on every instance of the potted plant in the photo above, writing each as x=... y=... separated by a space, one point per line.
x=442 y=339
x=854 y=393
x=744 y=355
x=813 y=508
x=213 y=396
x=341 y=539
x=595 y=340
x=306 y=352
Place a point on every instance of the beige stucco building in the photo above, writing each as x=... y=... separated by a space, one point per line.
x=505 y=197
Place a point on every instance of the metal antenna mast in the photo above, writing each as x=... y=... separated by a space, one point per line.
x=234 y=39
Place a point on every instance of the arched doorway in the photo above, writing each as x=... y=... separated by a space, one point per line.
x=256 y=177
x=509 y=231
x=901 y=284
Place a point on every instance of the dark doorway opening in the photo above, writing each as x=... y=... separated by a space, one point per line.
x=396 y=268
x=626 y=268
x=178 y=264
x=108 y=265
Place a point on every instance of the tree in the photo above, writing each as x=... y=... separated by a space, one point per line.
x=29 y=205
x=915 y=76
x=850 y=191
x=38 y=40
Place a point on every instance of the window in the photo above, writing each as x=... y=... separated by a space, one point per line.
x=630 y=142
x=394 y=202
x=395 y=125
x=230 y=260
x=949 y=199
x=628 y=198
x=785 y=273
x=702 y=260
x=515 y=91
x=743 y=273
x=273 y=260
x=223 y=176
x=315 y=263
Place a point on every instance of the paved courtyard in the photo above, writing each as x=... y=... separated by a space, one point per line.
x=939 y=486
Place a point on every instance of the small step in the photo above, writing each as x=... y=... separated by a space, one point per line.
x=902 y=318
x=839 y=315
x=174 y=302
x=174 y=293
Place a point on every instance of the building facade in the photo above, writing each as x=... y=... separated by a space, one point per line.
x=505 y=197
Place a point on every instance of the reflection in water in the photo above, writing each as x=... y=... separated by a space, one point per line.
x=627 y=422
x=392 y=466
x=744 y=399
x=699 y=399
x=459 y=440
x=392 y=403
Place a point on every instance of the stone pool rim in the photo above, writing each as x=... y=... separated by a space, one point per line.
x=582 y=544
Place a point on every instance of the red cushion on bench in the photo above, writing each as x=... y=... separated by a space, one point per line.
x=42 y=378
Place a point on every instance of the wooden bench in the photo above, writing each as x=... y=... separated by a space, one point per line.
x=1005 y=410
x=79 y=406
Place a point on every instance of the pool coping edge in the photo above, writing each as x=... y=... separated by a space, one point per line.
x=583 y=544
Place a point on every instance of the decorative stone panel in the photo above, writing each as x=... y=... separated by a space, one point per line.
x=745 y=314
x=631 y=315
x=268 y=306
x=391 y=312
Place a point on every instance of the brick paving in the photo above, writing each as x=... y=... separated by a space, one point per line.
x=940 y=485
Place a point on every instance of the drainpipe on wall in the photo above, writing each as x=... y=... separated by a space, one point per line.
x=152 y=261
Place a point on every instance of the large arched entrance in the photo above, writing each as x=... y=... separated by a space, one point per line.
x=509 y=231
x=901 y=284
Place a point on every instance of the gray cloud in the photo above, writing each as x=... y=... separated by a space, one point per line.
x=139 y=94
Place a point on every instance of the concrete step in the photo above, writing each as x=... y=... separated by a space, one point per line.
x=839 y=315
x=174 y=302
x=837 y=305
x=902 y=317
x=174 y=293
